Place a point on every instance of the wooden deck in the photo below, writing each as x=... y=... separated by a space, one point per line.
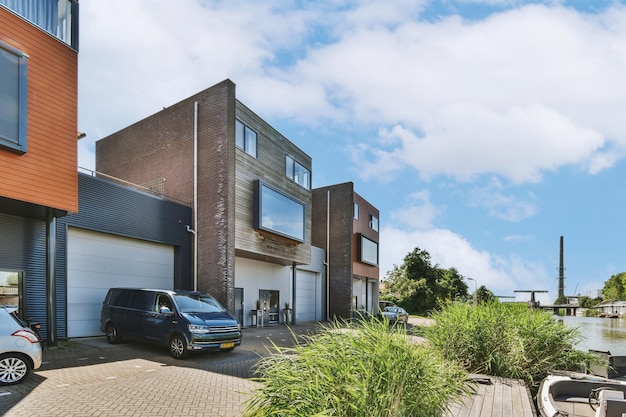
x=496 y=397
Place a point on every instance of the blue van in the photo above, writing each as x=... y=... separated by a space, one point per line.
x=184 y=321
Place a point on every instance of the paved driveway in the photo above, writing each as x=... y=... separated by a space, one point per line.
x=89 y=377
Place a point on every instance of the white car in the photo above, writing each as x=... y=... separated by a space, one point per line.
x=20 y=348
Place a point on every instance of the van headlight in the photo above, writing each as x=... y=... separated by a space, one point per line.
x=197 y=328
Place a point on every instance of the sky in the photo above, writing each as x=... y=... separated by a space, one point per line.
x=483 y=130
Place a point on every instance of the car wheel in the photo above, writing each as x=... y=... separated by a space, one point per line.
x=13 y=368
x=111 y=333
x=178 y=347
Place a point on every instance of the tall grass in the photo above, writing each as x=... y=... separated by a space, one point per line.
x=356 y=371
x=506 y=339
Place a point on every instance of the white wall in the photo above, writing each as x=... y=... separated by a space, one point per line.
x=253 y=276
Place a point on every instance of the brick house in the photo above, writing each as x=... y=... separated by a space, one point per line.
x=250 y=190
x=346 y=226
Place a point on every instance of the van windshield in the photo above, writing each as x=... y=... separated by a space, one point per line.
x=198 y=304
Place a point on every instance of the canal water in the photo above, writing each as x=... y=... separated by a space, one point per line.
x=599 y=333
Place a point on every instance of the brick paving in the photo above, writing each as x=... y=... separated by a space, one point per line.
x=89 y=377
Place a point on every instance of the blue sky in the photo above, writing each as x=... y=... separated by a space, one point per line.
x=483 y=130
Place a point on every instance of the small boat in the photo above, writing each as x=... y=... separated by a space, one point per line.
x=610 y=366
x=581 y=395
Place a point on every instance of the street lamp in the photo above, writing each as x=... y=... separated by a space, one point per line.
x=475 y=288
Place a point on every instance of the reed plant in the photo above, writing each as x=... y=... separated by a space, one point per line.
x=506 y=339
x=365 y=370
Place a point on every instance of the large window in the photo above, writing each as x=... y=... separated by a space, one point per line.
x=368 y=250
x=13 y=109
x=297 y=172
x=245 y=138
x=57 y=17
x=276 y=213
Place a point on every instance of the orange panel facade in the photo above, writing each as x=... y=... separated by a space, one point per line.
x=46 y=174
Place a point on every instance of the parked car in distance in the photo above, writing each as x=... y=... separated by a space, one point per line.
x=184 y=321
x=395 y=315
x=385 y=303
x=20 y=348
x=360 y=315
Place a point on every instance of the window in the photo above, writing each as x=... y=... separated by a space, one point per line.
x=245 y=138
x=373 y=222
x=57 y=17
x=297 y=172
x=11 y=288
x=13 y=83
x=276 y=213
x=356 y=211
x=367 y=250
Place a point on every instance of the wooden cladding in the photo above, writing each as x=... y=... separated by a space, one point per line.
x=46 y=174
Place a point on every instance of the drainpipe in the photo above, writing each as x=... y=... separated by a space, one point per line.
x=293 y=292
x=51 y=282
x=195 y=195
x=327 y=256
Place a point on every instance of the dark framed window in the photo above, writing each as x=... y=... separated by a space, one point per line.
x=367 y=250
x=245 y=138
x=13 y=103
x=356 y=211
x=373 y=222
x=278 y=213
x=297 y=172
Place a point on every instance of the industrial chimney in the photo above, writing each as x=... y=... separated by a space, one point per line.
x=561 y=273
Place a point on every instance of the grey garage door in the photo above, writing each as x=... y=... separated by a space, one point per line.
x=307 y=296
x=98 y=261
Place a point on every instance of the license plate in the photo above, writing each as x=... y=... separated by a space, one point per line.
x=227 y=345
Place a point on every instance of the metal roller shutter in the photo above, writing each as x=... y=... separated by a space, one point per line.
x=98 y=261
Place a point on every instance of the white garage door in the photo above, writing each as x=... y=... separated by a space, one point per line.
x=98 y=261
x=307 y=296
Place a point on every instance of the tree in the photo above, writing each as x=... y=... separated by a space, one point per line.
x=484 y=295
x=588 y=302
x=614 y=288
x=421 y=287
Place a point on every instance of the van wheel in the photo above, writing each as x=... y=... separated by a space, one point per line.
x=112 y=335
x=178 y=348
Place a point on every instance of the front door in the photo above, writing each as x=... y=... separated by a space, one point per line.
x=239 y=305
x=269 y=304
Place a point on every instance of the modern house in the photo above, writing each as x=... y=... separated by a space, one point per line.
x=251 y=198
x=38 y=134
x=346 y=226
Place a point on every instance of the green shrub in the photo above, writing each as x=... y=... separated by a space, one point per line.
x=367 y=370
x=506 y=339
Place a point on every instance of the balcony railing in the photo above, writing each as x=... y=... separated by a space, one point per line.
x=57 y=17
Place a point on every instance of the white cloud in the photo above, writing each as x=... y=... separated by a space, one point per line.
x=520 y=93
x=420 y=214
x=413 y=226
x=508 y=207
x=501 y=275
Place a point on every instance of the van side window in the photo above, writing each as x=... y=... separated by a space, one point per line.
x=119 y=298
x=141 y=300
x=162 y=300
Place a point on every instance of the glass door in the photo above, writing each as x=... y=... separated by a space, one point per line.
x=269 y=304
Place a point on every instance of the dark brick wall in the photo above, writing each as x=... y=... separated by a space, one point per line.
x=340 y=249
x=161 y=146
